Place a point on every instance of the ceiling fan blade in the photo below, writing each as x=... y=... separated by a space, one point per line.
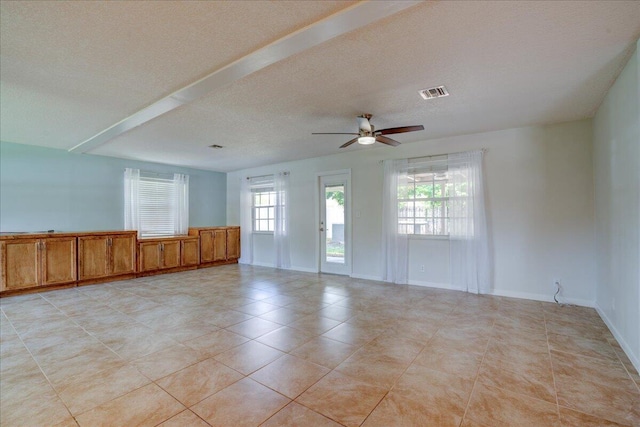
x=401 y=129
x=387 y=141
x=348 y=143
x=334 y=133
x=363 y=124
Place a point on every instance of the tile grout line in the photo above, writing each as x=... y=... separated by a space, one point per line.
x=38 y=364
x=475 y=381
x=553 y=374
x=396 y=380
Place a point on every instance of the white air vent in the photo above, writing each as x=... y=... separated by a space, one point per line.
x=434 y=92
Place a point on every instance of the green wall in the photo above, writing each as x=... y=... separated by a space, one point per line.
x=45 y=189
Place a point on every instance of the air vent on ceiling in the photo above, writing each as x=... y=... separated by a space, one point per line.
x=434 y=92
x=215 y=146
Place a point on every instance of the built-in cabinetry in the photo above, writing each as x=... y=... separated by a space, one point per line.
x=104 y=256
x=218 y=245
x=167 y=253
x=30 y=261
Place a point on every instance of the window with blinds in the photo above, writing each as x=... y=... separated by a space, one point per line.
x=157 y=206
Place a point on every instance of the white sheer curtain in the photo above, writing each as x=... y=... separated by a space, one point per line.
x=131 y=191
x=181 y=192
x=281 y=226
x=469 y=257
x=470 y=260
x=246 y=226
x=395 y=246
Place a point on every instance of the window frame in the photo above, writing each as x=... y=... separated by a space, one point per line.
x=444 y=197
x=146 y=205
x=265 y=186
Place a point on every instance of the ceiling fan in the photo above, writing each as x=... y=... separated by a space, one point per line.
x=368 y=135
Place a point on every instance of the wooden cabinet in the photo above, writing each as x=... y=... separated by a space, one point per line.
x=218 y=245
x=33 y=262
x=101 y=256
x=149 y=256
x=190 y=252
x=167 y=253
x=206 y=245
x=123 y=254
x=233 y=243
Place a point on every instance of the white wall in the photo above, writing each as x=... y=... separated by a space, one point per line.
x=540 y=201
x=616 y=129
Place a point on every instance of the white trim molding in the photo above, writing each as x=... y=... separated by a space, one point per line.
x=635 y=360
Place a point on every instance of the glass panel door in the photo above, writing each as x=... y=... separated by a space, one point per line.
x=334 y=227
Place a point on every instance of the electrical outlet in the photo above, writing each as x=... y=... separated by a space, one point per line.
x=422 y=268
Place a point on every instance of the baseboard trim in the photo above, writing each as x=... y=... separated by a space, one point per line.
x=635 y=360
x=366 y=277
x=292 y=268
x=303 y=269
x=438 y=285
x=541 y=297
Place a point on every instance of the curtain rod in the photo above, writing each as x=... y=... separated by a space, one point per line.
x=484 y=150
x=269 y=174
x=145 y=172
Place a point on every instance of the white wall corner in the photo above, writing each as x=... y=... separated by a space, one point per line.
x=635 y=359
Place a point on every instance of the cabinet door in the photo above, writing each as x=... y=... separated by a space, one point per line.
x=58 y=260
x=233 y=243
x=190 y=254
x=171 y=254
x=220 y=245
x=93 y=257
x=149 y=256
x=206 y=246
x=20 y=264
x=123 y=254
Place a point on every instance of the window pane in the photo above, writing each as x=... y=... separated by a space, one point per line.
x=263 y=206
x=423 y=203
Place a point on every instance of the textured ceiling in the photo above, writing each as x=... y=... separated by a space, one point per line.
x=72 y=69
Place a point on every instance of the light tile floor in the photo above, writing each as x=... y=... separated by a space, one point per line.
x=249 y=346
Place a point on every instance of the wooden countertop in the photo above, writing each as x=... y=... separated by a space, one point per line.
x=213 y=227
x=47 y=234
x=165 y=238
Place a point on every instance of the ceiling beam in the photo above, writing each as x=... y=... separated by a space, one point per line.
x=352 y=18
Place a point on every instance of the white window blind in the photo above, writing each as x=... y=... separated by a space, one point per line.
x=159 y=205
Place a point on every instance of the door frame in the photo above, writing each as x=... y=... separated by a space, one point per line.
x=347 y=218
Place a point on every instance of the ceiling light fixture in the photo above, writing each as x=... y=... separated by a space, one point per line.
x=366 y=140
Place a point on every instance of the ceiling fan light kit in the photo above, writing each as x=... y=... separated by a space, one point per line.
x=366 y=140
x=367 y=133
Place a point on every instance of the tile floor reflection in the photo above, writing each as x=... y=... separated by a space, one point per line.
x=248 y=346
